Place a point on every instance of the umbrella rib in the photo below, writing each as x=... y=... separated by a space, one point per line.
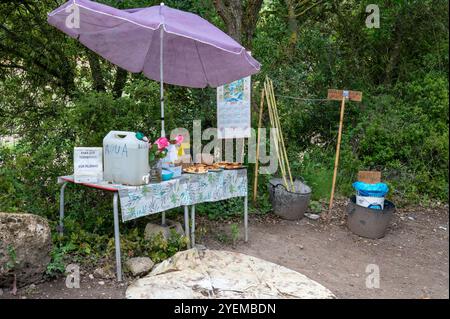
x=107 y=14
x=205 y=42
x=250 y=62
x=201 y=62
x=148 y=51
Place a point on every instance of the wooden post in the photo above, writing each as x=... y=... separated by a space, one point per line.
x=336 y=160
x=255 y=184
x=340 y=95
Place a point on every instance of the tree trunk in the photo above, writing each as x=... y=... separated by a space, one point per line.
x=119 y=84
x=292 y=26
x=250 y=19
x=96 y=71
x=231 y=13
x=395 y=53
x=240 y=18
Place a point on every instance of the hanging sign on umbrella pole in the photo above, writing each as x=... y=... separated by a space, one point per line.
x=233 y=109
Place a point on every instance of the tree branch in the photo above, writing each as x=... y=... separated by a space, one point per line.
x=309 y=8
x=12 y=66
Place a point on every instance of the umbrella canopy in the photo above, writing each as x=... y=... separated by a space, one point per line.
x=195 y=53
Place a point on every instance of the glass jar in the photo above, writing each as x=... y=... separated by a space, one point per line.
x=155 y=171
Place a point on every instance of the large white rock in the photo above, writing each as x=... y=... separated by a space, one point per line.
x=222 y=274
x=139 y=265
x=25 y=244
x=152 y=230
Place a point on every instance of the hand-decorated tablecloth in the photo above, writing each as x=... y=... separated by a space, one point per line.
x=189 y=189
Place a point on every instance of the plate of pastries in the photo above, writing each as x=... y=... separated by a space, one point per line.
x=203 y=168
x=196 y=169
x=230 y=165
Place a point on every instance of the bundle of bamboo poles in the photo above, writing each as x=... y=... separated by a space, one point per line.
x=280 y=149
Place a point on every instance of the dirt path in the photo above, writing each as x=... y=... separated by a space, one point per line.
x=413 y=258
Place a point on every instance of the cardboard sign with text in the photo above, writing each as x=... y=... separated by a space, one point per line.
x=88 y=164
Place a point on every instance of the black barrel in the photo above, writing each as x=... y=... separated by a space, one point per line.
x=368 y=222
x=286 y=204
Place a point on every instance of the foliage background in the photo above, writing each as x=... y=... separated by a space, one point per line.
x=55 y=94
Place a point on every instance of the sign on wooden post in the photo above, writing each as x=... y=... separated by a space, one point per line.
x=340 y=95
x=337 y=95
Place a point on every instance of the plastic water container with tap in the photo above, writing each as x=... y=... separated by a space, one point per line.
x=125 y=158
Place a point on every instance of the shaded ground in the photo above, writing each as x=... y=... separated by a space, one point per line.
x=413 y=258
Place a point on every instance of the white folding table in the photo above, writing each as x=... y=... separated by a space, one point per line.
x=117 y=188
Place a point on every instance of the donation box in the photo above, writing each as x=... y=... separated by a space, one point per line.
x=125 y=158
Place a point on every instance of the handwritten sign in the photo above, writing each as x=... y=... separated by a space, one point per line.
x=369 y=177
x=88 y=164
x=337 y=95
x=233 y=109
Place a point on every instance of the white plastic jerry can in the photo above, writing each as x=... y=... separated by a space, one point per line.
x=125 y=158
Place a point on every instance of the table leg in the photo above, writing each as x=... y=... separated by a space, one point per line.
x=117 y=236
x=163 y=219
x=193 y=226
x=246 y=218
x=186 y=225
x=61 y=209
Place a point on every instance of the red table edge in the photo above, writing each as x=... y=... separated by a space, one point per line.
x=105 y=188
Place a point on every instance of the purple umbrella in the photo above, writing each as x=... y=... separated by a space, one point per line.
x=167 y=45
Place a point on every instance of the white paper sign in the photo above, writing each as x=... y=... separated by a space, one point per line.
x=233 y=109
x=88 y=164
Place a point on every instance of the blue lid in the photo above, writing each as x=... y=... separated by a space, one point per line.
x=374 y=190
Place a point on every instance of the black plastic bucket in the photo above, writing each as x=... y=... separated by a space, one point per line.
x=286 y=204
x=367 y=222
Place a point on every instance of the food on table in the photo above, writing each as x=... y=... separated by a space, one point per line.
x=201 y=168
x=214 y=167
x=229 y=165
x=196 y=169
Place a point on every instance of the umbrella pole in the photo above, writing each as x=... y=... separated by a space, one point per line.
x=161 y=75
